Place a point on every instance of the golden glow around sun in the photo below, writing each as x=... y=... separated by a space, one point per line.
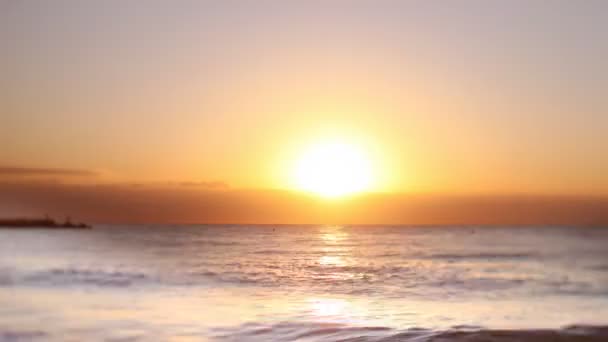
x=333 y=169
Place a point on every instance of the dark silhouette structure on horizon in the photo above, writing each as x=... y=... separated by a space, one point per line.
x=45 y=222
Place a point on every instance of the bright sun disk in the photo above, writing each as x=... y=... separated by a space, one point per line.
x=333 y=169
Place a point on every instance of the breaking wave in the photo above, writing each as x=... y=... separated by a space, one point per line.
x=332 y=332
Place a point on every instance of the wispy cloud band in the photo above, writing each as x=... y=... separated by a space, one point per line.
x=34 y=171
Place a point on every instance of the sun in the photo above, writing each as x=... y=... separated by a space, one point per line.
x=333 y=169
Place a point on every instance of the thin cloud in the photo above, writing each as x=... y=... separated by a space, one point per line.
x=206 y=185
x=31 y=171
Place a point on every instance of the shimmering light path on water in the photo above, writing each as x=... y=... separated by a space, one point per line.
x=310 y=283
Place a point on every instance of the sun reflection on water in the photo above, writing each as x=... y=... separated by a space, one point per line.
x=331 y=260
x=333 y=235
x=332 y=238
x=338 y=310
x=334 y=254
x=328 y=307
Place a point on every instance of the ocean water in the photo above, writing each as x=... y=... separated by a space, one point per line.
x=304 y=283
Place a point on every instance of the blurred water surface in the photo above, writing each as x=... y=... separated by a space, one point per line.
x=305 y=283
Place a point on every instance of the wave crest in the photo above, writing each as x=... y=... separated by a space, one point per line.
x=331 y=332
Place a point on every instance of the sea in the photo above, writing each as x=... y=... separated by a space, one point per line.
x=304 y=283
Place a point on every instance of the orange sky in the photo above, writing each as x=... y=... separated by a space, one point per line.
x=476 y=99
x=214 y=203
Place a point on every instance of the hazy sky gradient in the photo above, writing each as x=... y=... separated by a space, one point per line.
x=450 y=96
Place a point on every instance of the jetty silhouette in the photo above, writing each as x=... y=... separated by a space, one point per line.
x=46 y=222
